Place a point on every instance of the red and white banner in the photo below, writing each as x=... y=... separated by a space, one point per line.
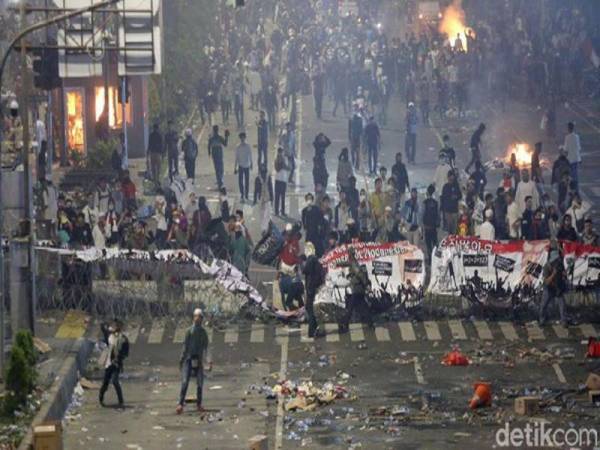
x=391 y=267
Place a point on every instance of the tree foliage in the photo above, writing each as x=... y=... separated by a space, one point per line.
x=187 y=27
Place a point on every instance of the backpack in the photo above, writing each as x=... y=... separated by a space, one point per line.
x=430 y=213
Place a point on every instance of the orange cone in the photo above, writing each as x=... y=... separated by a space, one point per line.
x=482 y=395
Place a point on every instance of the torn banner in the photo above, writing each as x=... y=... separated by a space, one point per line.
x=393 y=268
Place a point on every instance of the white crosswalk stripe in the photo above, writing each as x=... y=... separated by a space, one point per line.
x=457 y=330
x=534 y=332
x=508 y=331
x=180 y=331
x=304 y=334
x=231 y=335
x=132 y=332
x=382 y=334
x=257 y=334
x=588 y=330
x=332 y=332
x=560 y=331
x=356 y=332
x=483 y=330
x=156 y=332
x=407 y=331
x=432 y=330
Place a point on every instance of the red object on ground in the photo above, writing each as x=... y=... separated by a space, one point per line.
x=593 y=350
x=455 y=358
x=482 y=395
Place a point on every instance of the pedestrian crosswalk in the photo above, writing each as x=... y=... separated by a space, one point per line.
x=164 y=331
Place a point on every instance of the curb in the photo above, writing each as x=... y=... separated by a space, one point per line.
x=61 y=390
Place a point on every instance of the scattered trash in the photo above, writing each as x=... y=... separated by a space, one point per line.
x=527 y=406
x=41 y=346
x=307 y=396
x=593 y=348
x=215 y=388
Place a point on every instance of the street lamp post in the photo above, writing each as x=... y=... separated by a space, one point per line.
x=17 y=39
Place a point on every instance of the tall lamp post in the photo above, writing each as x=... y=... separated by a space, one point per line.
x=18 y=39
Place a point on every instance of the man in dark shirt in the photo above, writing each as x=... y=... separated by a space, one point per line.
x=449 y=199
x=555 y=284
x=314 y=278
x=566 y=232
x=171 y=141
x=355 y=132
x=216 y=143
x=155 y=153
x=373 y=141
x=314 y=224
x=527 y=219
x=475 y=146
x=400 y=176
x=262 y=127
x=82 y=233
x=431 y=221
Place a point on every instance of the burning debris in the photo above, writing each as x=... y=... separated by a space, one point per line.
x=453 y=25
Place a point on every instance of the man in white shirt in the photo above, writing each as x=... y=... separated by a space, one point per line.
x=243 y=166
x=486 y=229
x=525 y=189
x=572 y=146
x=513 y=217
x=98 y=234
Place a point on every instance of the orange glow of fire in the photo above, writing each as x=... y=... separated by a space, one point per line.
x=522 y=152
x=453 y=24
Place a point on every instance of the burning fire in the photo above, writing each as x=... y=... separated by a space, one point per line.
x=522 y=152
x=453 y=24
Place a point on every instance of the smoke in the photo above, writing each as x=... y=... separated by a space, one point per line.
x=453 y=23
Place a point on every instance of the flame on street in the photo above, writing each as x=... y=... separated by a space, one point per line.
x=453 y=24
x=522 y=152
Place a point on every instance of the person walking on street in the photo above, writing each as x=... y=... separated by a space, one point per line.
x=412 y=120
x=314 y=278
x=287 y=141
x=281 y=179
x=194 y=356
x=373 y=141
x=189 y=148
x=243 y=166
x=112 y=358
x=360 y=284
x=400 y=175
x=475 y=146
x=171 y=143
x=262 y=128
x=572 y=146
x=216 y=143
x=431 y=222
x=355 y=133
x=555 y=284
x=155 y=154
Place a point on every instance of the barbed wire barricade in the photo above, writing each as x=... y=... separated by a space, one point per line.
x=118 y=283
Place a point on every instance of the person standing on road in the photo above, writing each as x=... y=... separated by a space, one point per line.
x=359 y=285
x=194 y=356
x=155 y=154
x=287 y=141
x=262 y=128
x=373 y=141
x=243 y=166
x=555 y=284
x=449 y=199
x=412 y=120
x=355 y=134
x=171 y=142
x=313 y=224
x=572 y=146
x=400 y=176
x=475 y=146
x=189 y=148
x=216 y=143
x=431 y=221
x=314 y=278
x=112 y=358
x=281 y=179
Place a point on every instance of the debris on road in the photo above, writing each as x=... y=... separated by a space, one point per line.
x=455 y=358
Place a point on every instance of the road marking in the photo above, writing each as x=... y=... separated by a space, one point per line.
x=432 y=330
x=132 y=332
x=588 y=330
x=418 y=371
x=180 y=331
x=483 y=330
x=382 y=334
x=534 y=332
x=457 y=330
x=356 y=332
x=231 y=335
x=257 y=334
x=304 y=334
x=280 y=334
x=156 y=332
x=559 y=373
x=407 y=331
x=73 y=325
x=332 y=332
x=280 y=398
x=561 y=332
x=509 y=331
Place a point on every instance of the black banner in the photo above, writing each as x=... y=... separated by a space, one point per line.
x=503 y=263
x=475 y=260
x=382 y=268
x=593 y=262
x=534 y=269
x=413 y=265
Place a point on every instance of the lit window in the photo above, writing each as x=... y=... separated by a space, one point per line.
x=115 y=109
